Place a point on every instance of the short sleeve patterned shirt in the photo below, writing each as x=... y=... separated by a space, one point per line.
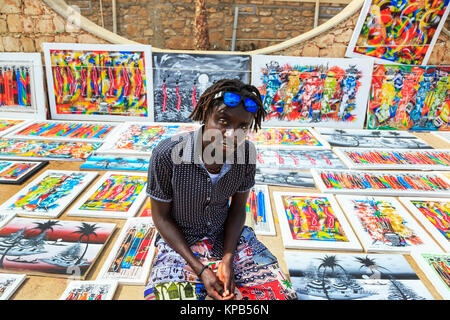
x=199 y=208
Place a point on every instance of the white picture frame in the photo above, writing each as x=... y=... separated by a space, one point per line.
x=32 y=60
x=386 y=228
x=96 y=287
x=357 y=174
x=62 y=202
x=365 y=155
x=320 y=244
x=432 y=275
x=140 y=273
x=360 y=23
x=362 y=65
x=17 y=280
x=17 y=133
x=426 y=223
x=147 y=53
x=130 y=210
x=443 y=135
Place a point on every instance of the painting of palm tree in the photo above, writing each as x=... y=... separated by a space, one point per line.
x=328 y=262
x=86 y=230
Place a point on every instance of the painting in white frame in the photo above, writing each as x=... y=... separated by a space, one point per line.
x=116 y=194
x=90 y=290
x=49 y=194
x=9 y=125
x=316 y=92
x=435 y=265
x=138 y=138
x=259 y=207
x=313 y=221
x=9 y=283
x=388 y=32
x=392 y=159
x=29 y=102
x=287 y=138
x=335 y=276
x=382 y=224
x=57 y=130
x=382 y=183
x=363 y=138
x=434 y=215
x=106 y=82
x=131 y=258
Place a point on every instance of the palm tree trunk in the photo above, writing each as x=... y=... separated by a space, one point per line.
x=201 y=36
x=84 y=252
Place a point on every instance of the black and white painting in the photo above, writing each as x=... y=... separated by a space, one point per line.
x=372 y=139
x=288 y=178
x=179 y=79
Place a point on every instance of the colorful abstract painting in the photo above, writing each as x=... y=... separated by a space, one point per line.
x=99 y=82
x=113 y=161
x=434 y=215
x=319 y=92
x=179 y=80
x=22 y=92
x=383 y=225
x=409 y=98
x=141 y=138
x=372 y=139
x=57 y=248
x=9 y=283
x=418 y=159
x=115 y=195
x=285 y=159
x=147 y=209
x=292 y=138
x=89 y=290
x=436 y=266
x=259 y=208
x=130 y=260
x=17 y=172
x=49 y=194
x=313 y=221
x=393 y=183
x=351 y=276
x=398 y=31
x=65 y=131
x=46 y=150
x=7 y=125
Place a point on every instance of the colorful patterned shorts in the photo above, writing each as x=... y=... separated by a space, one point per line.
x=257 y=273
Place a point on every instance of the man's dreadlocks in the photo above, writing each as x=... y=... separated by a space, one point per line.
x=206 y=103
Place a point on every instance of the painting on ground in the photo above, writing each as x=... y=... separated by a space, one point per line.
x=46 y=149
x=89 y=290
x=258 y=206
x=400 y=32
x=313 y=221
x=412 y=98
x=115 y=195
x=353 y=276
x=49 y=194
x=287 y=137
x=57 y=248
x=434 y=215
x=318 y=92
x=383 y=225
x=17 y=172
x=180 y=79
x=140 y=138
x=104 y=82
x=130 y=260
x=113 y=161
x=22 y=92
x=8 y=125
x=372 y=139
x=276 y=177
x=66 y=130
x=285 y=159
x=436 y=266
x=9 y=283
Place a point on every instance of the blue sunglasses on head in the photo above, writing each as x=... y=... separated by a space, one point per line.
x=233 y=99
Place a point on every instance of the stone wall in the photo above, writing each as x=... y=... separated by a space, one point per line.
x=25 y=24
